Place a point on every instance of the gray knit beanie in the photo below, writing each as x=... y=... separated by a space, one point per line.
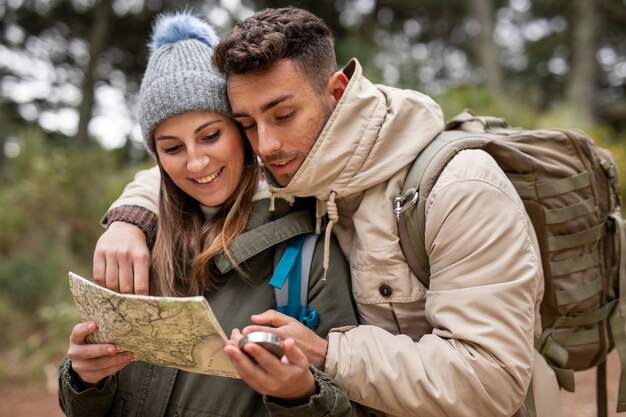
x=180 y=76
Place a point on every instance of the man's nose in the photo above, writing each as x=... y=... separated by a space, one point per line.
x=268 y=141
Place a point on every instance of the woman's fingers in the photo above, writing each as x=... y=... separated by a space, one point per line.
x=94 y=370
x=93 y=362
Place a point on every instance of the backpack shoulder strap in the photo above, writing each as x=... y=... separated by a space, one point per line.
x=409 y=206
x=410 y=231
x=308 y=247
x=292 y=267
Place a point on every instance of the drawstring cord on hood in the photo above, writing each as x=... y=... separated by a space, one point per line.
x=272 y=199
x=333 y=216
x=319 y=213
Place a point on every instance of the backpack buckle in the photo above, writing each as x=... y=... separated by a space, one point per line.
x=400 y=203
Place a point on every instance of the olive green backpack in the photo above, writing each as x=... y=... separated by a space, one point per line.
x=570 y=189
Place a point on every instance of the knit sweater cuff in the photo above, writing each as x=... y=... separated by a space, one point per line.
x=136 y=215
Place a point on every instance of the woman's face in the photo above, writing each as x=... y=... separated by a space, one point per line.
x=203 y=154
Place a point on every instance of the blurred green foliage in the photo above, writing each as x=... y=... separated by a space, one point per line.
x=51 y=200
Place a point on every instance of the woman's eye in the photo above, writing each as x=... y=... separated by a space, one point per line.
x=212 y=137
x=171 y=149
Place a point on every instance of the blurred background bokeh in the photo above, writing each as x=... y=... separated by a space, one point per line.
x=69 y=141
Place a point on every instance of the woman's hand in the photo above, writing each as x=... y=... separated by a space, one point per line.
x=94 y=362
x=288 y=378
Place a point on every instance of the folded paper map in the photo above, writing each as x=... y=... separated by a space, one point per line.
x=178 y=332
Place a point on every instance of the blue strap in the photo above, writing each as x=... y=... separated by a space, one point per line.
x=286 y=264
x=309 y=317
x=293 y=292
x=290 y=268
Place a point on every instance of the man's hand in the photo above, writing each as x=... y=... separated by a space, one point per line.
x=313 y=346
x=288 y=378
x=121 y=260
x=94 y=362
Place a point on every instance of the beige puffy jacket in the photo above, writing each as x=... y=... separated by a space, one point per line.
x=464 y=346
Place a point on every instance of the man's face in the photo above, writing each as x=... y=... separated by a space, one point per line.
x=281 y=115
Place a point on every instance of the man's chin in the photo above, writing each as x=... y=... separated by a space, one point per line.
x=276 y=178
x=283 y=180
x=283 y=175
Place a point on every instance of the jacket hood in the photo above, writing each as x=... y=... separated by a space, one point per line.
x=373 y=132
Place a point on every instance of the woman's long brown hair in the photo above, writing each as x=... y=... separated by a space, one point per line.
x=185 y=244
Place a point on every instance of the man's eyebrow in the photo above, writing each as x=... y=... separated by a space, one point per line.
x=267 y=106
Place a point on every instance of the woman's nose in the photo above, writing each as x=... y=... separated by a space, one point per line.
x=197 y=162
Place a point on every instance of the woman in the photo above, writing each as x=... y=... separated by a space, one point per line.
x=215 y=237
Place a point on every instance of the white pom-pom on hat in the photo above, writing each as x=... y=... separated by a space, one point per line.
x=170 y=28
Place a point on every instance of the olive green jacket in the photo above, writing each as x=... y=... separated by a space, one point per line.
x=142 y=389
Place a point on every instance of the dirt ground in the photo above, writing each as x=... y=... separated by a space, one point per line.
x=40 y=400
x=582 y=403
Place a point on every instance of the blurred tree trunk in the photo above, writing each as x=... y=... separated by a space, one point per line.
x=99 y=34
x=581 y=89
x=487 y=49
x=2 y=154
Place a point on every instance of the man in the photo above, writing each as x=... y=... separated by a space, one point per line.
x=463 y=346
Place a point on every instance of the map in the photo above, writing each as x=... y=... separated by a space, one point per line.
x=178 y=332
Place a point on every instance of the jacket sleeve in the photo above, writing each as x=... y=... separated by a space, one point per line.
x=484 y=289
x=77 y=401
x=141 y=192
x=330 y=401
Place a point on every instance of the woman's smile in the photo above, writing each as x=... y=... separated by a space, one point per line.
x=208 y=178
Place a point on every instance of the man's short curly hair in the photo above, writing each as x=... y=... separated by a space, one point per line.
x=261 y=40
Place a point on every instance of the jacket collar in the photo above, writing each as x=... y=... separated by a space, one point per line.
x=264 y=230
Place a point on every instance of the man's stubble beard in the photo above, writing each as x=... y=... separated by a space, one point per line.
x=282 y=155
